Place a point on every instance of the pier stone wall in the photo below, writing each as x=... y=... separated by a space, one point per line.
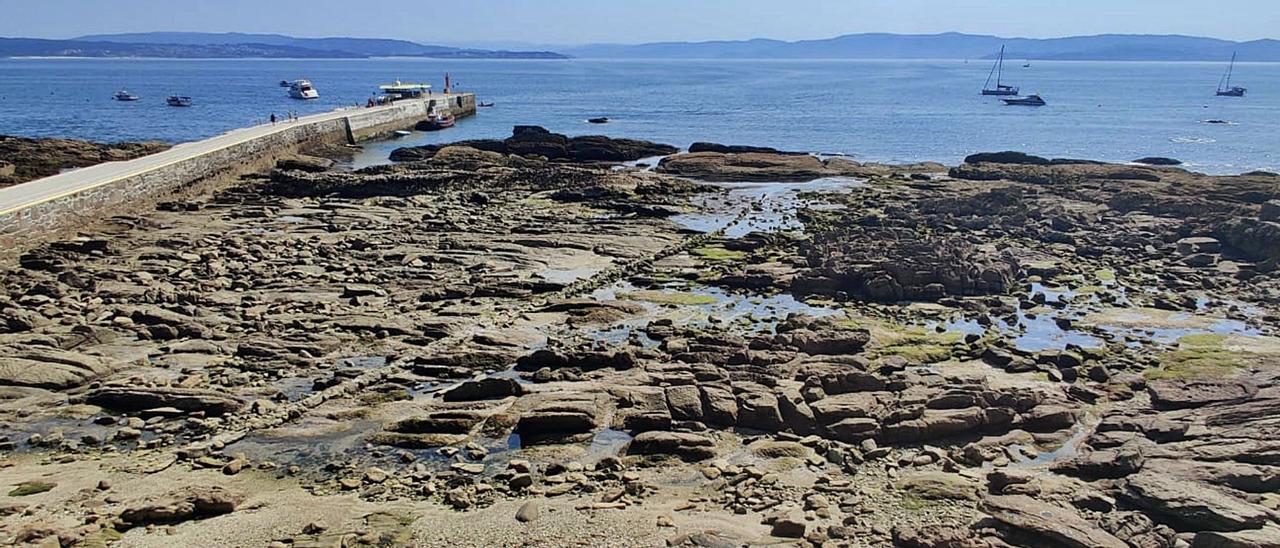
x=25 y=228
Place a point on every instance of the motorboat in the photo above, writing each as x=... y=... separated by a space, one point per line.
x=997 y=70
x=404 y=90
x=1225 y=89
x=1033 y=100
x=484 y=105
x=302 y=89
x=178 y=101
x=600 y=120
x=285 y=83
x=124 y=95
x=402 y=133
x=436 y=121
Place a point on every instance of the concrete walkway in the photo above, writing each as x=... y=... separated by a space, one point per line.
x=32 y=193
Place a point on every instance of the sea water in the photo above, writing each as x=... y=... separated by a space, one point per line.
x=877 y=110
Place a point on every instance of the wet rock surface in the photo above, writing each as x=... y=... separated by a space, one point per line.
x=535 y=141
x=483 y=345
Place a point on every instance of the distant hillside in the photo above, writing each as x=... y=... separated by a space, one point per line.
x=1110 y=47
x=223 y=45
x=35 y=47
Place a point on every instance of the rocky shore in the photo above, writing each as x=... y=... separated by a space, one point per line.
x=547 y=340
x=23 y=159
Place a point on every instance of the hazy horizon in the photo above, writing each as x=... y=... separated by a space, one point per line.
x=567 y=23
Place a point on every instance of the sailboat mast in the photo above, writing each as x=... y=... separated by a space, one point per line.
x=999 y=67
x=1231 y=68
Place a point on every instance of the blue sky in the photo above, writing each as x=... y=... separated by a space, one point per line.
x=583 y=21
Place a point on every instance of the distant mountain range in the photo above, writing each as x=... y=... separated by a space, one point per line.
x=1107 y=47
x=233 y=45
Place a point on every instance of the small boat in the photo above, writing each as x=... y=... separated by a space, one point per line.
x=1225 y=89
x=178 y=101
x=600 y=120
x=1026 y=64
x=302 y=89
x=124 y=95
x=437 y=121
x=997 y=70
x=1033 y=100
x=285 y=83
x=402 y=133
x=484 y=105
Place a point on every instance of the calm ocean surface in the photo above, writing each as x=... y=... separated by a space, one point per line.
x=895 y=111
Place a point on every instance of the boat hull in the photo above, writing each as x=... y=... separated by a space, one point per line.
x=1000 y=92
x=1231 y=93
x=1025 y=102
x=436 y=124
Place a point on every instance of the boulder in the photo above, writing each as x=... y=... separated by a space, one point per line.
x=567 y=420
x=1103 y=464
x=134 y=399
x=488 y=388
x=934 y=424
x=735 y=149
x=311 y=164
x=1006 y=157
x=939 y=486
x=187 y=503
x=1270 y=211
x=685 y=402
x=935 y=536
x=1158 y=161
x=830 y=342
x=687 y=446
x=788 y=524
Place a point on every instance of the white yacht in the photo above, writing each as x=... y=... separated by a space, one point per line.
x=302 y=89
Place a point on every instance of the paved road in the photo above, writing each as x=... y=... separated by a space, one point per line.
x=25 y=195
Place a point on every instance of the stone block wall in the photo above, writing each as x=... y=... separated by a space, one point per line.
x=23 y=229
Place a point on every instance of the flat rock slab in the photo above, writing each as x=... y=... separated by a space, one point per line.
x=1028 y=519
x=1192 y=506
x=51 y=368
x=132 y=399
x=1182 y=394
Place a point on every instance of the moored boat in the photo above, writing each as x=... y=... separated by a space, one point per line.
x=997 y=70
x=600 y=120
x=1225 y=89
x=124 y=95
x=484 y=105
x=302 y=89
x=178 y=101
x=1033 y=100
x=436 y=121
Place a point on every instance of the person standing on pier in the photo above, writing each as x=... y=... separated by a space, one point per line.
x=273 y=118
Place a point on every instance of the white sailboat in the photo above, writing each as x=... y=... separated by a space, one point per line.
x=997 y=70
